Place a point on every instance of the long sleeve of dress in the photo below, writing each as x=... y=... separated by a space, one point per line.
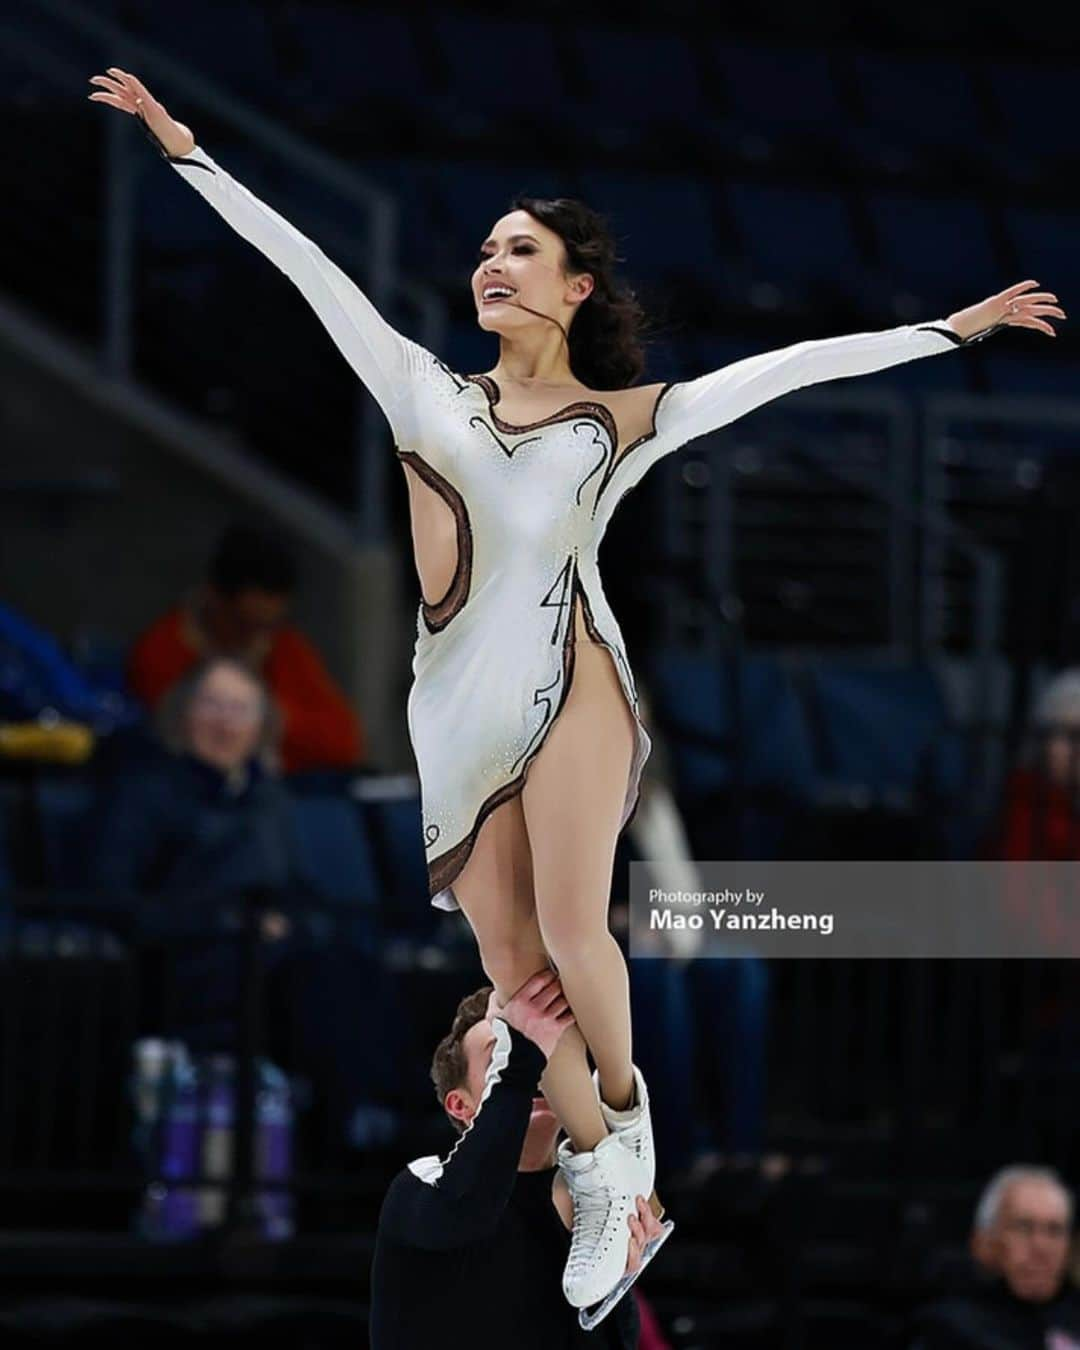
x=442 y=1203
x=383 y=358
x=691 y=408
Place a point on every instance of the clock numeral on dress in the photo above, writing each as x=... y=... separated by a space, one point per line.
x=563 y=584
x=431 y=834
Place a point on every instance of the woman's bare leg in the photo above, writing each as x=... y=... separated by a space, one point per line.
x=494 y=890
x=572 y=802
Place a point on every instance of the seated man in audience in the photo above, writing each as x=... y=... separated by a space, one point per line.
x=1020 y=1295
x=470 y=1249
x=241 y=611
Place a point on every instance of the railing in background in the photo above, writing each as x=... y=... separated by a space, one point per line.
x=249 y=985
x=870 y=546
x=374 y=262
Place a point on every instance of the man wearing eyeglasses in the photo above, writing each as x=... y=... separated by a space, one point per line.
x=1021 y=1297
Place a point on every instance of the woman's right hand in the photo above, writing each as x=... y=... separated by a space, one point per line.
x=124 y=91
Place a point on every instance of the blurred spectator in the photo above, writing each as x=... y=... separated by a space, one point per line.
x=678 y=1002
x=1040 y=816
x=1017 y=1296
x=241 y=611
x=206 y=821
x=188 y=833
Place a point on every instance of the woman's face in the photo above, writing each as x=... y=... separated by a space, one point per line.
x=225 y=718
x=528 y=258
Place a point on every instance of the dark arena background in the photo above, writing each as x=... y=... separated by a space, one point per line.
x=852 y=615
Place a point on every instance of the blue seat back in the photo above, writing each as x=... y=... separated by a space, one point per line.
x=64 y=805
x=335 y=852
x=878 y=725
x=398 y=832
x=698 y=695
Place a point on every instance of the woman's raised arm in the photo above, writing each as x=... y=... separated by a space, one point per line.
x=692 y=408
x=383 y=358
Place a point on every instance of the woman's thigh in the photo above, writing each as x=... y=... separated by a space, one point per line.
x=573 y=800
x=495 y=892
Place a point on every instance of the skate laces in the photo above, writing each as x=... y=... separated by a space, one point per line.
x=589 y=1225
x=593 y=1204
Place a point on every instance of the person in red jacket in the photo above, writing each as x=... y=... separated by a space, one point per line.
x=1039 y=821
x=1040 y=817
x=242 y=611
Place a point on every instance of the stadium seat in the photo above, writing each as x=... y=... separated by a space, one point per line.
x=229 y=41
x=335 y=850
x=877 y=725
x=920 y=239
x=923 y=102
x=1031 y=372
x=1045 y=243
x=327 y=39
x=694 y=700
x=64 y=805
x=664 y=225
x=615 y=63
x=786 y=92
x=397 y=832
x=821 y=253
x=1035 y=114
x=491 y=63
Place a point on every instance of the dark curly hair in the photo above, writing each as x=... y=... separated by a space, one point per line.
x=607 y=336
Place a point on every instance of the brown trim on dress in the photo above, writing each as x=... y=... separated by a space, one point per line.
x=623 y=454
x=590 y=407
x=439 y=613
x=445 y=868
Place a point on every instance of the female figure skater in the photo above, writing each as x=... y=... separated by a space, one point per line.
x=523 y=712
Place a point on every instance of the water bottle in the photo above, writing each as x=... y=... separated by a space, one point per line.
x=217 y=1138
x=167 y=1109
x=151 y=1059
x=273 y=1150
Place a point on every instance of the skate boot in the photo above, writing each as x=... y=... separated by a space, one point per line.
x=633 y=1125
x=604 y=1185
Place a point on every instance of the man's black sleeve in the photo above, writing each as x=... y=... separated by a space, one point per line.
x=626 y=1329
x=442 y=1203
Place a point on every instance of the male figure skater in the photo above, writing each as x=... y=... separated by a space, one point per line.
x=470 y=1248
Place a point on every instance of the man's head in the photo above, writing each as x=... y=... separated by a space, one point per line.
x=1022 y=1227
x=249 y=588
x=459 y=1068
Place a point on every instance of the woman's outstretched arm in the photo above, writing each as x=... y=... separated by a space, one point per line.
x=692 y=408
x=384 y=359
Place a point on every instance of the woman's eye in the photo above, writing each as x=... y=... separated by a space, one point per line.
x=518 y=248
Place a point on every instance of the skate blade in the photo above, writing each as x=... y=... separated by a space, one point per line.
x=592 y=1317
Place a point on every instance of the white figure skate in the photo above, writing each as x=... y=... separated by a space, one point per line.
x=604 y=1185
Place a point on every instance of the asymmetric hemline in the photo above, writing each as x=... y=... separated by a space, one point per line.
x=444 y=870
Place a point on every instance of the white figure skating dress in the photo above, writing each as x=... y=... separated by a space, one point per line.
x=494 y=656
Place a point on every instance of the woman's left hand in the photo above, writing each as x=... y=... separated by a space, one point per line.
x=1017 y=306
